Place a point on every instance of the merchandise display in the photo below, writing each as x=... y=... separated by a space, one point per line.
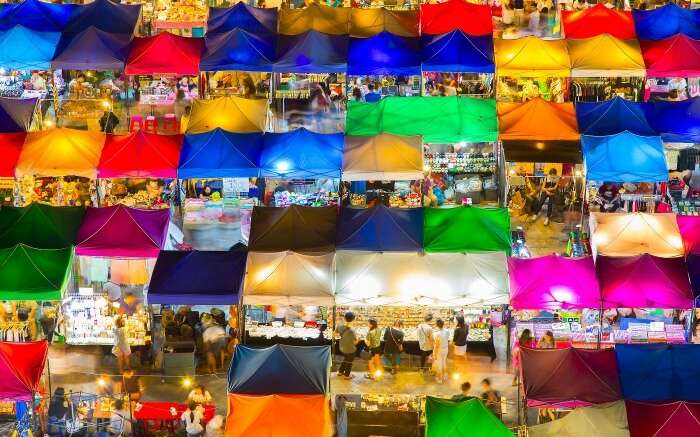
x=56 y=191
x=182 y=15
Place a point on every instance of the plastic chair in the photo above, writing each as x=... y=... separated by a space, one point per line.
x=151 y=124
x=170 y=124
x=135 y=123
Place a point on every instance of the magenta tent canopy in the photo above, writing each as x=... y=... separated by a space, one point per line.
x=120 y=231
x=690 y=233
x=644 y=281
x=663 y=419
x=553 y=282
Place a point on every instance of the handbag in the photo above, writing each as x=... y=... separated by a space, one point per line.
x=400 y=345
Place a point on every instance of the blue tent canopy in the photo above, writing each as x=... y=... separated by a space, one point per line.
x=624 y=157
x=107 y=16
x=16 y=114
x=280 y=369
x=38 y=15
x=311 y=52
x=384 y=53
x=197 y=277
x=458 y=52
x=380 y=229
x=301 y=154
x=676 y=122
x=220 y=154
x=666 y=21
x=659 y=372
x=244 y=17
x=612 y=117
x=22 y=48
x=238 y=50
x=92 y=49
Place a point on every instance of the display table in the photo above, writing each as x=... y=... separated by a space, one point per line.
x=290 y=341
x=159 y=415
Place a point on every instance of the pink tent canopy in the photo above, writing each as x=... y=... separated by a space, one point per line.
x=21 y=366
x=553 y=282
x=667 y=419
x=120 y=231
x=644 y=281
x=690 y=232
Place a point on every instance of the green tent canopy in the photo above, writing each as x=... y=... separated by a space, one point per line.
x=27 y=273
x=447 y=418
x=40 y=226
x=438 y=120
x=466 y=229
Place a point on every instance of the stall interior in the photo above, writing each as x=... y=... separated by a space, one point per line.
x=395 y=194
x=238 y=83
x=56 y=191
x=313 y=101
x=287 y=324
x=585 y=89
x=522 y=89
x=458 y=84
x=142 y=193
x=23 y=321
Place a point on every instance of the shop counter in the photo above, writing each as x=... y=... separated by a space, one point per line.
x=290 y=341
x=159 y=415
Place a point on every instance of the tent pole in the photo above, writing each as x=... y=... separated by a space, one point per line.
x=600 y=325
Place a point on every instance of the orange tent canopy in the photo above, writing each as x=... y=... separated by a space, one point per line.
x=537 y=119
x=61 y=152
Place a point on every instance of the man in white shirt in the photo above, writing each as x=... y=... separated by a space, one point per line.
x=425 y=339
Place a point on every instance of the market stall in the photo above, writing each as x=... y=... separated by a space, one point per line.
x=40 y=226
x=489 y=230
x=382 y=157
x=107 y=16
x=185 y=18
x=674 y=57
x=238 y=49
x=666 y=21
x=379 y=229
x=27 y=273
x=609 y=419
x=612 y=117
x=22 y=48
x=472 y=19
x=16 y=115
x=233 y=114
x=242 y=16
x=450 y=418
x=92 y=49
x=676 y=122
x=368 y=22
x=38 y=15
x=297 y=228
x=596 y=21
x=10 y=149
x=624 y=157
x=623 y=234
x=315 y=17
x=22 y=366
x=301 y=153
x=662 y=419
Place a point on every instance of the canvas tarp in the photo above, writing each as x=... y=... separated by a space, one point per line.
x=299 y=228
x=596 y=21
x=448 y=418
x=242 y=16
x=108 y=16
x=37 y=15
x=140 y=155
x=605 y=56
x=677 y=122
x=380 y=229
x=438 y=18
x=625 y=234
x=301 y=153
x=10 y=148
x=532 y=57
x=289 y=278
x=415 y=279
x=165 y=53
x=644 y=281
x=489 y=229
x=624 y=157
x=458 y=52
x=26 y=49
x=16 y=114
x=234 y=114
x=663 y=419
x=92 y=49
x=120 y=231
x=280 y=369
x=579 y=376
x=383 y=157
x=612 y=117
x=238 y=49
x=40 y=226
x=461 y=118
x=27 y=273
x=312 y=52
x=22 y=365
x=666 y=21
x=316 y=17
x=609 y=420
x=675 y=56
x=384 y=54
x=553 y=282
x=61 y=152
x=368 y=22
x=220 y=154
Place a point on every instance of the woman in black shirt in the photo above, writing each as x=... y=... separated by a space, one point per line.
x=459 y=339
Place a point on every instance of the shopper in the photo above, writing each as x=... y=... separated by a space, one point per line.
x=491 y=397
x=132 y=385
x=214 y=338
x=393 y=345
x=199 y=395
x=465 y=395
x=525 y=340
x=372 y=96
x=547 y=341
x=374 y=343
x=192 y=418
x=120 y=419
x=347 y=344
x=549 y=187
x=121 y=348
x=459 y=339
x=425 y=340
x=108 y=122
x=441 y=341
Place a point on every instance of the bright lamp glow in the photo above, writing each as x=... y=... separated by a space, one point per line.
x=282 y=166
x=562 y=294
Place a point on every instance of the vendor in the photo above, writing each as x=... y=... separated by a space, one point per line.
x=200 y=396
x=609 y=197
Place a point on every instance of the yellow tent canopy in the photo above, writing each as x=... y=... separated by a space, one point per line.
x=625 y=234
x=334 y=21
x=531 y=57
x=605 y=56
x=383 y=157
x=61 y=152
x=368 y=22
x=234 y=114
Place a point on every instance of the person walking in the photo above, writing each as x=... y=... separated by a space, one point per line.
x=192 y=418
x=441 y=342
x=459 y=339
x=525 y=340
x=121 y=348
x=347 y=344
x=425 y=340
x=393 y=345
x=491 y=397
x=374 y=343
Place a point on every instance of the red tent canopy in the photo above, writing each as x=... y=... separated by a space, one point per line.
x=668 y=419
x=676 y=56
x=21 y=366
x=596 y=20
x=165 y=53
x=452 y=15
x=10 y=148
x=140 y=155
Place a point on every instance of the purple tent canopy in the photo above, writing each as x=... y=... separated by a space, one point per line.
x=16 y=114
x=644 y=281
x=553 y=282
x=120 y=231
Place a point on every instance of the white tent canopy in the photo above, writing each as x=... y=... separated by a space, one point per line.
x=609 y=420
x=436 y=279
x=383 y=157
x=630 y=234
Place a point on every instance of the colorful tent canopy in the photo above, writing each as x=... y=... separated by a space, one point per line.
x=689 y=227
x=40 y=226
x=244 y=17
x=666 y=21
x=22 y=48
x=596 y=21
x=579 y=376
x=107 y=16
x=471 y=18
x=379 y=229
x=140 y=155
x=38 y=15
x=277 y=415
x=289 y=278
x=92 y=49
x=659 y=372
x=27 y=273
x=301 y=154
x=677 y=122
x=22 y=365
x=384 y=54
x=611 y=117
x=605 y=56
x=280 y=369
x=458 y=52
x=448 y=418
x=532 y=57
x=298 y=228
x=61 y=152
x=644 y=281
x=10 y=149
x=220 y=154
x=238 y=49
x=461 y=118
x=316 y=17
x=609 y=419
x=489 y=229
x=675 y=56
x=692 y=262
x=312 y=52
x=623 y=234
x=165 y=53
x=383 y=157
x=234 y=114
x=553 y=282
x=368 y=22
x=416 y=279
x=16 y=114
x=197 y=277
x=624 y=157
x=120 y=231
x=663 y=419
